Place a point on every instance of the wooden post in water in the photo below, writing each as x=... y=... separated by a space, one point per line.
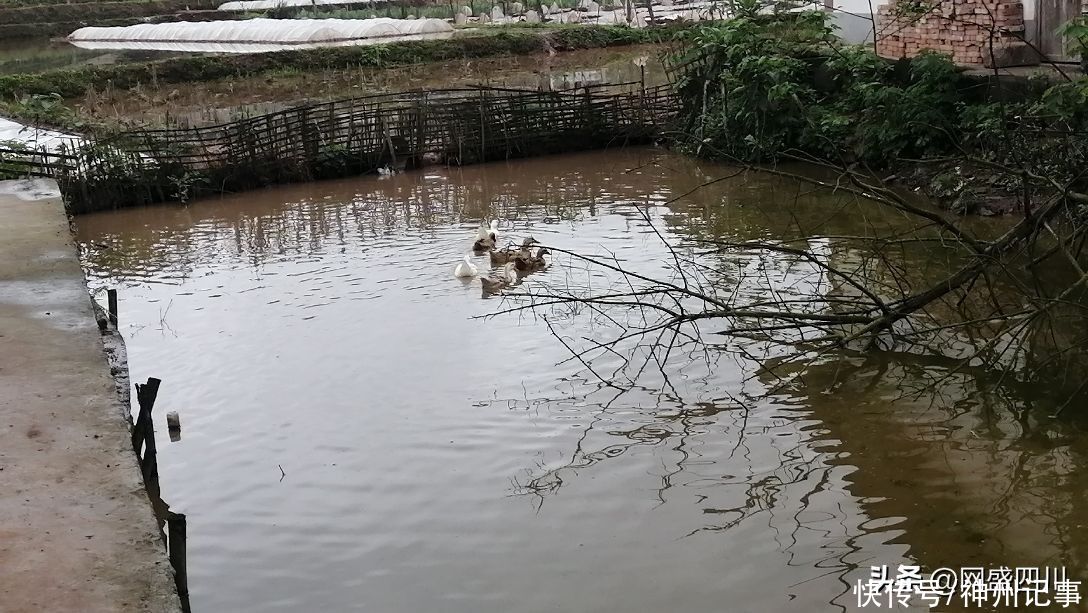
x=144 y=430
x=111 y=299
x=175 y=530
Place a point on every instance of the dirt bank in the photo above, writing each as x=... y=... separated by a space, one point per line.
x=77 y=531
x=57 y=19
x=228 y=99
x=70 y=84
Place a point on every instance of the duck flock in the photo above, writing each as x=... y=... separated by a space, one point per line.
x=509 y=264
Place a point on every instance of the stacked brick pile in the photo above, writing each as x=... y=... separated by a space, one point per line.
x=959 y=28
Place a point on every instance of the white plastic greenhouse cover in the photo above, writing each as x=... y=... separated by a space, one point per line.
x=258 y=31
x=263 y=5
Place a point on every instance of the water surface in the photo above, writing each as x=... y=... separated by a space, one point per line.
x=355 y=437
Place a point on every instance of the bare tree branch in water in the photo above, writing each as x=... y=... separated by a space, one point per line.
x=831 y=294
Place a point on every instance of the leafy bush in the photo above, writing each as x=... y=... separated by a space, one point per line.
x=764 y=87
x=759 y=86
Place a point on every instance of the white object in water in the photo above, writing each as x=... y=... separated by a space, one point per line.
x=36 y=138
x=465 y=269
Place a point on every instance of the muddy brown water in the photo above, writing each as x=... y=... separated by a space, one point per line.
x=39 y=54
x=432 y=461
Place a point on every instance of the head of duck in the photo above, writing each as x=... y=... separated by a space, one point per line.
x=538 y=259
x=527 y=263
x=537 y=262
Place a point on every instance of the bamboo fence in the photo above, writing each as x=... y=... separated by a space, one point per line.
x=347 y=137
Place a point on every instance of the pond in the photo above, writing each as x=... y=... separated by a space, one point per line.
x=357 y=434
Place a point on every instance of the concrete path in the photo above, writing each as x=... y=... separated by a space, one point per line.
x=77 y=532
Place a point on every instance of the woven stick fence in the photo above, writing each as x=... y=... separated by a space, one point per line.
x=350 y=137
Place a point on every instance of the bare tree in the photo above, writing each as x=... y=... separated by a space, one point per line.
x=845 y=294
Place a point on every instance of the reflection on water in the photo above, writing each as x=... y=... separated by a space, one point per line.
x=439 y=462
x=40 y=54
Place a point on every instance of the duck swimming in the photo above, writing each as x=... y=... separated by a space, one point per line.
x=510 y=254
x=486 y=237
x=508 y=276
x=465 y=269
x=532 y=263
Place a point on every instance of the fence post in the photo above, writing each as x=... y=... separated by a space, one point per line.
x=144 y=430
x=111 y=299
x=175 y=530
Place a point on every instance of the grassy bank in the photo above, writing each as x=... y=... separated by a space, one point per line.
x=60 y=19
x=41 y=97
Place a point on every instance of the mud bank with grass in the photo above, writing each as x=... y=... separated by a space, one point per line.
x=226 y=100
x=59 y=19
x=17 y=92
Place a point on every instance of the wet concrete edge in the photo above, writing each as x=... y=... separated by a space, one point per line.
x=77 y=528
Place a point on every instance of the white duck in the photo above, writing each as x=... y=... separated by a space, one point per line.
x=507 y=276
x=465 y=269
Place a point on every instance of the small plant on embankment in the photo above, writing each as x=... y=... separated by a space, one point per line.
x=765 y=88
x=1076 y=30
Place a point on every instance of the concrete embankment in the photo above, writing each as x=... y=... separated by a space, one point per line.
x=77 y=531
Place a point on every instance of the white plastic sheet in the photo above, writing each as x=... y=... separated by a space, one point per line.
x=35 y=138
x=264 y=5
x=259 y=34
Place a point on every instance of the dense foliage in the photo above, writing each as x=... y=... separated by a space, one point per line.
x=760 y=88
x=757 y=86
